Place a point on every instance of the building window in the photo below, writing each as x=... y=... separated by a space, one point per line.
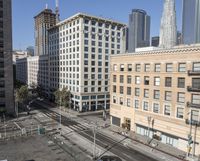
x=146 y=93
x=182 y=67
x=157 y=67
x=168 y=82
x=179 y=113
x=196 y=99
x=181 y=82
x=114 y=78
x=145 y=106
x=2 y=83
x=194 y=115
x=114 y=89
x=2 y=94
x=147 y=67
x=121 y=101
x=146 y=80
x=156 y=107
x=181 y=97
x=169 y=67
x=115 y=67
x=196 y=83
x=168 y=96
x=121 y=79
x=156 y=81
x=167 y=110
x=128 y=90
x=129 y=67
x=121 y=90
x=114 y=99
x=196 y=67
x=137 y=67
x=156 y=94
x=128 y=102
x=122 y=67
x=129 y=79
x=137 y=92
x=137 y=80
x=136 y=104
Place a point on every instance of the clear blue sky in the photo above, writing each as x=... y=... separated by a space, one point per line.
x=25 y=10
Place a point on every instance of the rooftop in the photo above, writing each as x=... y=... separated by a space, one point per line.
x=175 y=49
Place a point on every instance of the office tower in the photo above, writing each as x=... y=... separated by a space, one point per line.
x=168 y=29
x=43 y=21
x=139 y=30
x=179 y=40
x=6 y=65
x=156 y=94
x=79 y=50
x=191 y=21
x=155 y=41
x=30 y=50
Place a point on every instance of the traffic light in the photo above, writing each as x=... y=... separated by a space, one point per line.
x=190 y=139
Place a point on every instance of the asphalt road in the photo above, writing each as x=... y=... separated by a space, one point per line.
x=117 y=148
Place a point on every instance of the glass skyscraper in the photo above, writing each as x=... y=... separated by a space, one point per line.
x=139 y=30
x=191 y=21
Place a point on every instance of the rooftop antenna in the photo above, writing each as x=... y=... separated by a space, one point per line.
x=57 y=12
x=46 y=6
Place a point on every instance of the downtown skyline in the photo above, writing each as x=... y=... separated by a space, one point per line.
x=23 y=24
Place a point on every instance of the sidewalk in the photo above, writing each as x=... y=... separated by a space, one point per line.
x=135 y=141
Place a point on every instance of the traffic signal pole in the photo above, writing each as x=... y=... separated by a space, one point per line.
x=194 y=142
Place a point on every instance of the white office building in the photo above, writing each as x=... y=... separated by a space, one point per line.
x=79 y=50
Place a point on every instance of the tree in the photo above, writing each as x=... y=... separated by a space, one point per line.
x=63 y=97
x=22 y=95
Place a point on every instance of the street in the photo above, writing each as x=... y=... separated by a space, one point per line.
x=103 y=141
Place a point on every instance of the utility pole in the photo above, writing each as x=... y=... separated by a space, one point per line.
x=60 y=116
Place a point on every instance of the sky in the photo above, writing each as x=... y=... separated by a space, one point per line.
x=24 y=11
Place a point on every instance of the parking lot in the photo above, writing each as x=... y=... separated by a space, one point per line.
x=34 y=148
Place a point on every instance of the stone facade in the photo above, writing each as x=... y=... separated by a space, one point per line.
x=160 y=91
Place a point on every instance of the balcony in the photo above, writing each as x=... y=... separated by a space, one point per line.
x=191 y=72
x=189 y=104
x=192 y=122
x=193 y=89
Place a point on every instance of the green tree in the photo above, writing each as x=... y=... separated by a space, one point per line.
x=22 y=95
x=63 y=97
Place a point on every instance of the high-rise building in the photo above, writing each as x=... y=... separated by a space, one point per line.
x=155 y=41
x=6 y=67
x=79 y=51
x=191 y=21
x=43 y=21
x=168 y=28
x=30 y=50
x=157 y=94
x=139 y=30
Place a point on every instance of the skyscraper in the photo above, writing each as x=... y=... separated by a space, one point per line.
x=139 y=30
x=43 y=21
x=168 y=28
x=6 y=68
x=191 y=21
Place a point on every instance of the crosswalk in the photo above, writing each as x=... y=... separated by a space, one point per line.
x=69 y=126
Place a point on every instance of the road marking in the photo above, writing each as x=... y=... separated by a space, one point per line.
x=17 y=125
